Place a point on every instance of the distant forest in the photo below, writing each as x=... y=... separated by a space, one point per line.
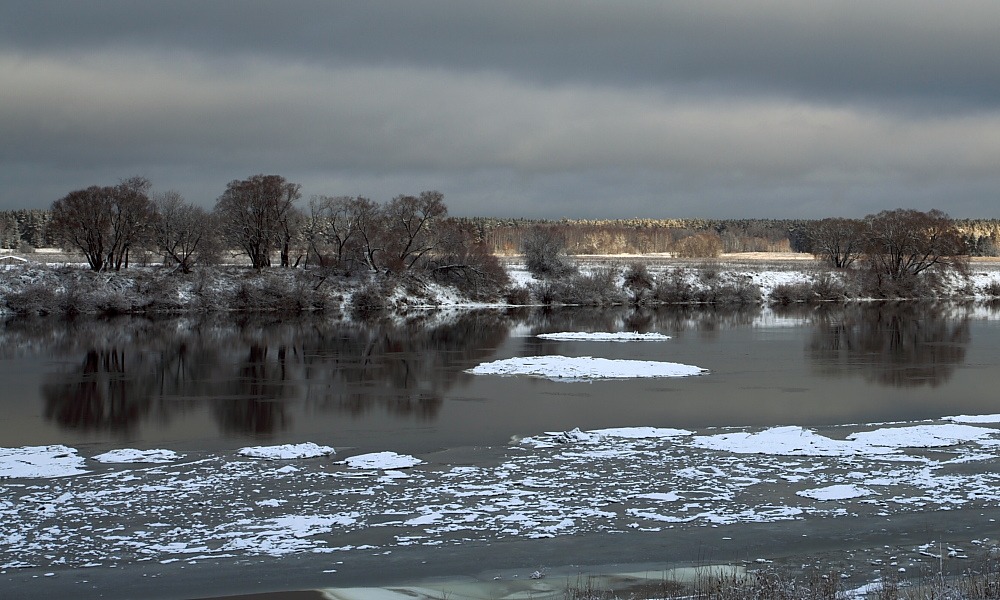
x=24 y=230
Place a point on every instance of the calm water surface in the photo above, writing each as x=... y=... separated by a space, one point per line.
x=221 y=383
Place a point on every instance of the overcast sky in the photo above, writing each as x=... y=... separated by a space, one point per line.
x=617 y=109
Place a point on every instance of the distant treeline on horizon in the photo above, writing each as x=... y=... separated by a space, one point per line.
x=27 y=229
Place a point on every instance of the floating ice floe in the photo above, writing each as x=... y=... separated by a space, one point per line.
x=131 y=455
x=565 y=368
x=575 y=436
x=618 y=336
x=921 y=436
x=836 y=492
x=40 y=461
x=974 y=419
x=287 y=451
x=637 y=433
x=381 y=461
x=785 y=441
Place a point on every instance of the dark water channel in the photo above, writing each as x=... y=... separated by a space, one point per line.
x=219 y=383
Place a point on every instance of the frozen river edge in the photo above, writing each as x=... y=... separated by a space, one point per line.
x=678 y=497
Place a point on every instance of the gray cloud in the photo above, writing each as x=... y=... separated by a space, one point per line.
x=535 y=109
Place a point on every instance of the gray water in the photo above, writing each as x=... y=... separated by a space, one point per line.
x=219 y=383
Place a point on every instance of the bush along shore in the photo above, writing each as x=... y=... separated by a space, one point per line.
x=39 y=289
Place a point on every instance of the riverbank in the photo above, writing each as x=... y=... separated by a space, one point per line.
x=52 y=286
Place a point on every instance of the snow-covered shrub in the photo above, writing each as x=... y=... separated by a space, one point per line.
x=673 y=287
x=638 y=281
x=992 y=289
x=821 y=289
x=517 y=296
x=733 y=290
x=368 y=302
x=544 y=250
x=34 y=299
x=599 y=288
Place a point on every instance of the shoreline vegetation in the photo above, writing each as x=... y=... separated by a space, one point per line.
x=344 y=255
x=68 y=287
x=55 y=283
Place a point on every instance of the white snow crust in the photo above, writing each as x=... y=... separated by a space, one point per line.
x=132 y=455
x=40 y=462
x=836 y=492
x=921 y=436
x=552 y=484
x=380 y=461
x=974 y=419
x=287 y=451
x=565 y=368
x=619 y=336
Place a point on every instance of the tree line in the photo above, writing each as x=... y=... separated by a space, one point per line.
x=259 y=219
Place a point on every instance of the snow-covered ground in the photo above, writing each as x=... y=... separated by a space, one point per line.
x=57 y=508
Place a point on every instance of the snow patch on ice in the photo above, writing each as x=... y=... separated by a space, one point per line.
x=131 y=455
x=836 y=492
x=381 y=461
x=974 y=419
x=565 y=368
x=40 y=461
x=921 y=436
x=784 y=441
x=287 y=451
x=619 y=336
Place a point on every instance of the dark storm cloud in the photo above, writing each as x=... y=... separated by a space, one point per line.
x=741 y=108
x=900 y=49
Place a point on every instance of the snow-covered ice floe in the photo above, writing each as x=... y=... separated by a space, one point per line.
x=836 y=492
x=287 y=451
x=380 y=461
x=40 y=461
x=974 y=419
x=561 y=483
x=132 y=455
x=566 y=368
x=619 y=336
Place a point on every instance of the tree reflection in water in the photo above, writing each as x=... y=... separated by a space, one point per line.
x=100 y=393
x=901 y=345
x=249 y=372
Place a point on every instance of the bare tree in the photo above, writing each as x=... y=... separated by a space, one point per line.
x=410 y=227
x=253 y=215
x=104 y=223
x=131 y=216
x=544 y=250
x=182 y=231
x=369 y=221
x=838 y=242
x=462 y=259
x=81 y=220
x=903 y=244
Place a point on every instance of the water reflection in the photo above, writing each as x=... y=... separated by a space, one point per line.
x=250 y=371
x=258 y=377
x=100 y=393
x=901 y=345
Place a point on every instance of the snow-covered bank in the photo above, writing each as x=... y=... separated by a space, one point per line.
x=35 y=288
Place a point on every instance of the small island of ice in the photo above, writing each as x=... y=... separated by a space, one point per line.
x=618 y=336
x=565 y=368
x=836 y=492
x=131 y=455
x=287 y=451
x=381 y=461
x=40 y=461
